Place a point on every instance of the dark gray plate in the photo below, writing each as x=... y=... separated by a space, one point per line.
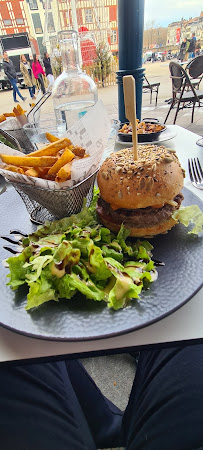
x=82 y=319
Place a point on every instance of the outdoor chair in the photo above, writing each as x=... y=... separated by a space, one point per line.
x=181 y=82
x=152 y=87
x=195 y=70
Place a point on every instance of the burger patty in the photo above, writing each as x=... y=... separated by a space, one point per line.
x=139 y=218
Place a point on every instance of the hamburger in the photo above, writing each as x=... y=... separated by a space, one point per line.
x=140 y=194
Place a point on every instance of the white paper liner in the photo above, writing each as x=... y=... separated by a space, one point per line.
x=11 y=123
x=91 y=132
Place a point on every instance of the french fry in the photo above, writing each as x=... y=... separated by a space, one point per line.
x=16 y=112
x=64 y=173
x=51 y=149
x=39 y=172
x=43 y=161
x=77 y=150
x=32 y=172
x=20 y=110
x=43 y=171
x=51 y=137
x=2 y=118
x=65 y=158
x=9 y=114
x=14 y=169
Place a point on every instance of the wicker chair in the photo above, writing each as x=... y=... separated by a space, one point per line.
x=152 y=87
x=183 y=98
x=195 y=70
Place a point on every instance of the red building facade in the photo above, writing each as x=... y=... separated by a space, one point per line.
x=99 y=17
x=13 y=17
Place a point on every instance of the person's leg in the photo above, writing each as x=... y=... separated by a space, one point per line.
x=50 y=79
x=103 y=417
x=31 y=91
x=39 y=410
x=40 y=78
x=14 y=90
x=165 y=409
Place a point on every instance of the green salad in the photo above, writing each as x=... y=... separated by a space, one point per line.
x=77 y=254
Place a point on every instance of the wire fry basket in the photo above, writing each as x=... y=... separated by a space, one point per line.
x=18 y=137
x=50 y=204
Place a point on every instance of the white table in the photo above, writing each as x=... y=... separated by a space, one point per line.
x=186 y=324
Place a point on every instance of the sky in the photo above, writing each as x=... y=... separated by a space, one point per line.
x=164 y=12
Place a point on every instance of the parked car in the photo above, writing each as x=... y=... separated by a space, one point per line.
x=159 y=56
x=16 y=45
x=148 y=56
x=169 y=55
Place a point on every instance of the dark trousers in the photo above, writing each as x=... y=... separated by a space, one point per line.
x=41 y=81
x=32 y=91
x=57 y=406
x=13 y=81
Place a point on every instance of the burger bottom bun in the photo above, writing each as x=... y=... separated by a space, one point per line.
x=141 y=232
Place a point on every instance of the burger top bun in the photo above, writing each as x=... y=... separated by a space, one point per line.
x=153 y=180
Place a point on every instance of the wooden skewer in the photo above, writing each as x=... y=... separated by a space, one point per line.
x=130 y=109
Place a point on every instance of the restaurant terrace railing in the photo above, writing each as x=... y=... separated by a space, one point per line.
x=103 y=74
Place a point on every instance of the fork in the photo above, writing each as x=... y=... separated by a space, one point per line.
x=195 y=172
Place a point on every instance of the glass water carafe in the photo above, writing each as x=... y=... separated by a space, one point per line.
x=73 y=92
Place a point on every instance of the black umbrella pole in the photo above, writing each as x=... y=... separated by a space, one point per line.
x=130 y=44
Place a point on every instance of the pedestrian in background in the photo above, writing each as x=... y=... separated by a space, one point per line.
x=191 y=48
x=38 y=71
x=183 y=49
x=10 y=72
x=28 y=76
x=153 y=57
x=198 y=48
x=48 y=70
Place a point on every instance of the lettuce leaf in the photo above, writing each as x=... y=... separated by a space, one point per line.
x=96 y=264
x=190 y=214
x=81 y=219
x=88 y=288
x=18 y=271
x=36 y=265
x=124 y=289
x=40 y=291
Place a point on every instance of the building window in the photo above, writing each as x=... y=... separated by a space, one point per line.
x=37 y=23
x=50 y=26
x=88 y=15
x=113 y=36
x=42 y=48
x=7 y=22
x=48 y=4
x=20 y=21
x=33 y=4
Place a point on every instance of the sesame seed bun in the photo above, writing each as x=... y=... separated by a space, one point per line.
x=153 y=180
x=140 y=194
